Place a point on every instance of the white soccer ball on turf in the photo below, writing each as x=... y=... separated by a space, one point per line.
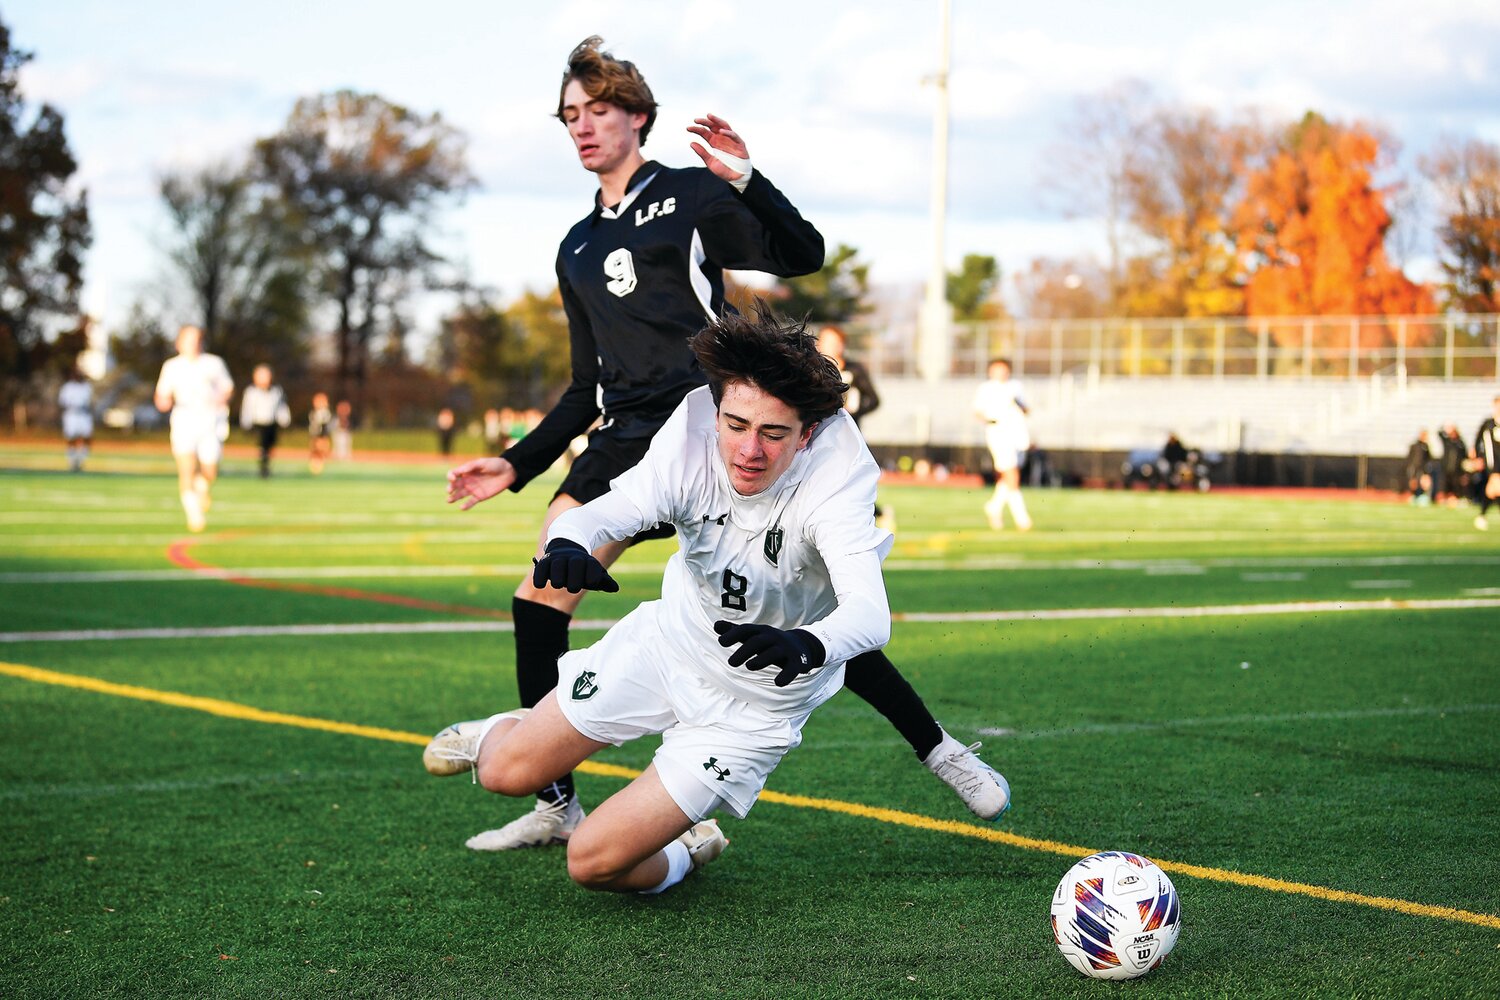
x=1115 y=915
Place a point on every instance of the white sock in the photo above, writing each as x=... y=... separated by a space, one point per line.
x=192 y=504
x=1018 y=508
x=679 y=863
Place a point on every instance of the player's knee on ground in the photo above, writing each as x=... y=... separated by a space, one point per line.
x=595 y=861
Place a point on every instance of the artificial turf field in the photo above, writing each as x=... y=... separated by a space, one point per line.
x=202 y=796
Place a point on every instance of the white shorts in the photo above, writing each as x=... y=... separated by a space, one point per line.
x=1006 y=445
x=77 y=424
x=715 y=750
x=198 y=436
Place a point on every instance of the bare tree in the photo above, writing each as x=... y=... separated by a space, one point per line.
x=366 y=176
x=1466 y=177
x=1087 y=171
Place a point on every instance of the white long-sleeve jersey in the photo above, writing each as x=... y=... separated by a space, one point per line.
x=804 y=553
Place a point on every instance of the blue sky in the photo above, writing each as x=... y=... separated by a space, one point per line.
x=828 y=96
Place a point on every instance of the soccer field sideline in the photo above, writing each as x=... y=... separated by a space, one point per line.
x=234 y=710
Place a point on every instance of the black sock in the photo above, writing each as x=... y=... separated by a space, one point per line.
x=874 y=678
x=541 y=637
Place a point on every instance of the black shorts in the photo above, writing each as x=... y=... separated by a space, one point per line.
x=607 y=456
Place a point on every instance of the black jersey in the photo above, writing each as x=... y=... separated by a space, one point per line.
x=639 y=279
x=1487 y=444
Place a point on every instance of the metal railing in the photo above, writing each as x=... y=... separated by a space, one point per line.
x=1448 y=347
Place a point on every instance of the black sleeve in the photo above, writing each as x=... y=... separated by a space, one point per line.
x=759 y=230
x=869 y=399
x=578 y=408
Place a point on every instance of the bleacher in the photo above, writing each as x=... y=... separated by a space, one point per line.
x=1370 y=416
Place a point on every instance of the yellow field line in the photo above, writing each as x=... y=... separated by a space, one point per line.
x=234 y=710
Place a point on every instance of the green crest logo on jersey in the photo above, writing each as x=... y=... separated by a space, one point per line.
x=712 y=764
x=584 y=687
x=774 y=539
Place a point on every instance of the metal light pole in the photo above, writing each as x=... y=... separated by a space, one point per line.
x=934 y=340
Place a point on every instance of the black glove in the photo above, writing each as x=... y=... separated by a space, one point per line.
x=795 y=652
x=569 y=566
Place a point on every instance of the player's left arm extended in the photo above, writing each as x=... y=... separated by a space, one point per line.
x=758 y=229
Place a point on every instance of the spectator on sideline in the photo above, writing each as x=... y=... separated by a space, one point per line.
x=319 y=433
x=1418 y=481
x=447 y=423
x=1486 y=465
x=76 y=399
x=343 y=430
x=861 y=400
x=1453 y=474
x=263 y=409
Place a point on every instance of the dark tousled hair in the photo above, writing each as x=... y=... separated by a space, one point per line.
x=605 y=78
x=775 y=354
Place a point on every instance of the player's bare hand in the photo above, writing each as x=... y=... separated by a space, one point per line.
x=716 y=132
x=475 y=482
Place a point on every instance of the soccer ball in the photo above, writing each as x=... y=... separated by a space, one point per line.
x=1115 y=915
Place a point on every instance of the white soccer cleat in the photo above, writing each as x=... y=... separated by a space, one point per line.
x=704 y=841
x=1481 y=522
x=983 y=789
x=456 y=749
x=547 y=824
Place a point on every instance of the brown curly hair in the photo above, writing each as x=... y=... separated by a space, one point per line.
x=775 y=354
x=605 y=78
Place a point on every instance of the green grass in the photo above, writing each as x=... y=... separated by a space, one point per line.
x=149 y=850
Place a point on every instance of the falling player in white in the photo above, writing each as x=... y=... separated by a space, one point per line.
x=196 y=388
x=771 y=489
x=76 y=399
x=998 y=403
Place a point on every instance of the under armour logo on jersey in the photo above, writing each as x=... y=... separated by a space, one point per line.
x=584 y=687
x=620 y=267
x=719 y=519
x=712 y=764
x=774 y=539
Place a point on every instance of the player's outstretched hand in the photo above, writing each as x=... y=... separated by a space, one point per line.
x=726 y=141
x=569 y=566
x=795 y=653
x=477 y=481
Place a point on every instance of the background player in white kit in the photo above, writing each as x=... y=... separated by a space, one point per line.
x=196 y=388
x=999 y=404
x=76 y=399
x=770 y=487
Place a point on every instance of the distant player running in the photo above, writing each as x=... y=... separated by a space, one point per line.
x=195 y=387
x=639 y=276
x=770 y=488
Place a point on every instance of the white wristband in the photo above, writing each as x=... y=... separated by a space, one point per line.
x=739 y=164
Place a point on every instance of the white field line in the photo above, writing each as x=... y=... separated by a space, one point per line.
x=891 y=565
x=480 y=531
x=1203 y=611
x=1379 y=584
x=1097 y=728
x=1042 y=614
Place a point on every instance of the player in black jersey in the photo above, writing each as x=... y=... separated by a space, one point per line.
x=639 y=275
x=1487 y=453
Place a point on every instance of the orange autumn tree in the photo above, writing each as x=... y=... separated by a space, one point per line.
x=1312 y=228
